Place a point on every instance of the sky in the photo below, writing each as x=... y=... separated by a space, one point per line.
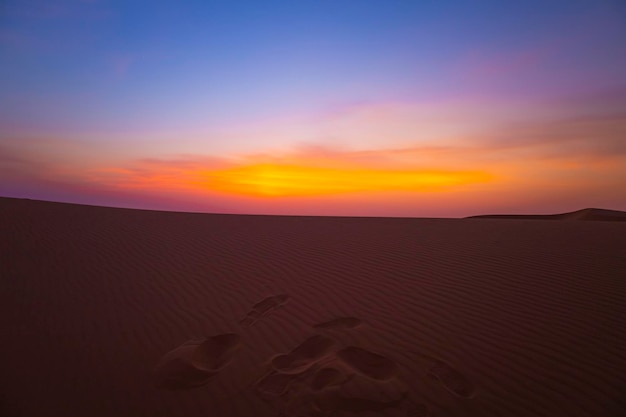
x=327 y=107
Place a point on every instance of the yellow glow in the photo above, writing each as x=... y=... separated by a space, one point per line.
x=276 y=180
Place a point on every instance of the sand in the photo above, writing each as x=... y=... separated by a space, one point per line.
x=120 y=312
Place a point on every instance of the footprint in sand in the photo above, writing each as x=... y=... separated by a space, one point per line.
x=452 y=380
x=290 y=394
x=263 y=308
x=326 y=378
x=275 y=383
x=368 y=363
x=304 y=355
x=340 y=323
x=194 y=362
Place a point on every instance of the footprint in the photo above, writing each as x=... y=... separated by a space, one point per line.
x=263 y=308
x=339 y=323
x=368 y=363
x=195 y=361
x=452 y=380
x=217 y=351
x=335 y=401
x=275 y=383
x=327 y=377
x=304 y=355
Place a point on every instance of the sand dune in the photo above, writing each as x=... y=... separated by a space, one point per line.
x=584 y=214
x=119 y=312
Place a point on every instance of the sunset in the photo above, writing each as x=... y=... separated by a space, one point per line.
x=216 y=106
x=313 y=208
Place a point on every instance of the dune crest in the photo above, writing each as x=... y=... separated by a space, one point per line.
x=588 y=214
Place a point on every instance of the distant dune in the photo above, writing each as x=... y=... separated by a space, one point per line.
x=584 y=214
x=120 y=312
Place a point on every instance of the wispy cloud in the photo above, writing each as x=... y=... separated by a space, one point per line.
x=578 y=155
x=533 y=153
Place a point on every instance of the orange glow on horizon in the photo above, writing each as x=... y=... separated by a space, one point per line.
x=288 y=180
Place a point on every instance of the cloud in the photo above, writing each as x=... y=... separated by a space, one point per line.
x=9 y=157
x=598 y=137
x=168 y=174
x=25 y=173
x=517 y=153
x=576 y=154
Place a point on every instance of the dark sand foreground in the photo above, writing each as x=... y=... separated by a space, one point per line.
x=118 y=312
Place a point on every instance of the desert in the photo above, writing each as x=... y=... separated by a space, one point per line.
x=124 y=312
